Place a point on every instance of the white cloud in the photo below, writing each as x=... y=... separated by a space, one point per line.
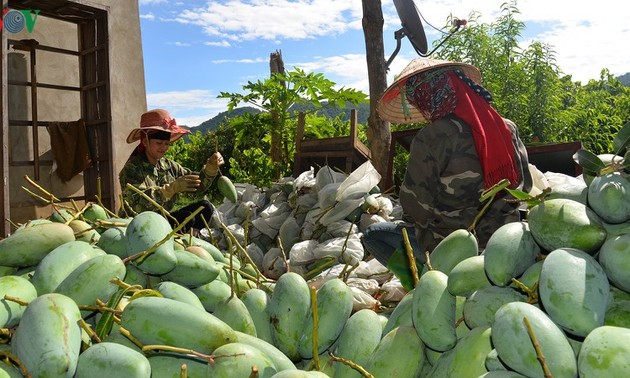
x=185 y=106
x=242 y=61
x=152 y=2
x=147 y=16
x=218 y=44
x=179 y=44
x=275 y=19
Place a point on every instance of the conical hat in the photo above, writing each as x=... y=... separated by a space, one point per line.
x=393 y=105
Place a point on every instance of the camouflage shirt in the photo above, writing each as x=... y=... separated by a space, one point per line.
x=149 y=178
x=444 y=180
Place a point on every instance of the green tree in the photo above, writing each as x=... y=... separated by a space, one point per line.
x=277 y=94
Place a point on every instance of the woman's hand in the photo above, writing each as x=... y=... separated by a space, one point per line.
x=213 y=164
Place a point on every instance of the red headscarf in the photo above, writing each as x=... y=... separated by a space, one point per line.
x=437 y=93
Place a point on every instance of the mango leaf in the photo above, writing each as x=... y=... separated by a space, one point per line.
x=622 y=139
x=400 y=265
x=588 y=160
x=519 y=194
x=626 y=161
x=105 y=323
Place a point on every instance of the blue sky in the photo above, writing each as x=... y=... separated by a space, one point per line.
x=195 y=49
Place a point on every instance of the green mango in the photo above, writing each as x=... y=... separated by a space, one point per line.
x=357 y=342
x=398 y=354
x=609 y=197
x=510 y=250
x=256 y=301
x=165 y=321
x=113 y=360
x=334 y=307
x=605 y=352
x=144 y=232
x=468 y=276
x=18 y=287
x=173 y=290
x=614 y=257
x=574 y=290
x=481 y=306
x=227 y=188
x=48 y=339
x=27 y=247
x=60 y=262
x=234 y=313
x=514 y=346
x=561 y=222
x=433 y=311
x=288 y=309
x=240 y=361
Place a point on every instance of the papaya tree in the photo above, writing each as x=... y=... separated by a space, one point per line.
x=278 y=94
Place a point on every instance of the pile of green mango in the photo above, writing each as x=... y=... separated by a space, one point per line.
x=88 y=294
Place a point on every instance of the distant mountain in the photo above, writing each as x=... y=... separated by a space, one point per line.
x=215 y=121
x=363 y=112
x=625 y=79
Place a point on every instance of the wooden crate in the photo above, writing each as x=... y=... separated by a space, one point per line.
x=345 y=153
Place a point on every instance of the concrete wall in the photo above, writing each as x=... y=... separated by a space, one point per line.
x=128 y=100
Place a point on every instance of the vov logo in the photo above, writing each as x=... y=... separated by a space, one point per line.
x=14 y=21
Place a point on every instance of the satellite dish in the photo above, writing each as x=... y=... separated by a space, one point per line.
x=411 y=28
x=411 y=24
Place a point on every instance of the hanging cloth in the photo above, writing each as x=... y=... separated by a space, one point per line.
x=69 y=144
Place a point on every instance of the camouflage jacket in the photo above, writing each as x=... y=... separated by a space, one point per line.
x=149 y=178
x=444 y=180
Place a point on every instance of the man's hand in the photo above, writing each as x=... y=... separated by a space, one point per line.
x=186 y=183
x=213 y=164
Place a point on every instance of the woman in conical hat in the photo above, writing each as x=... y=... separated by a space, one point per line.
x=466 y=147
x=161 y=179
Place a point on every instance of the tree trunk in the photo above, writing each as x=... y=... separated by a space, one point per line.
x=276 y=65
x=378 y=132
